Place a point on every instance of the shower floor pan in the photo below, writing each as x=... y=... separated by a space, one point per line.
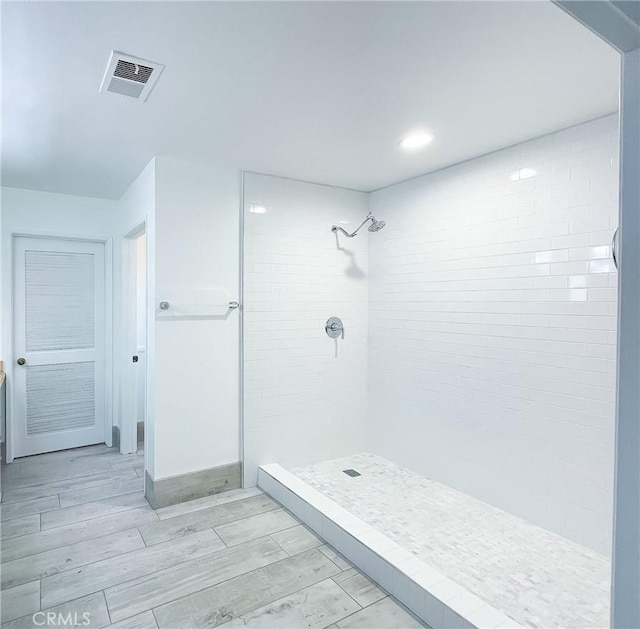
x=455 y=561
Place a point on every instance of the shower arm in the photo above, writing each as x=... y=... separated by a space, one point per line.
x=336 y=228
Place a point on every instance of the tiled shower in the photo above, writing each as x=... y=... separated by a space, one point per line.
x=474 y=388
x=305 y=395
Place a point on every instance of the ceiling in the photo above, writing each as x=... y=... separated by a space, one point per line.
x=318 y=91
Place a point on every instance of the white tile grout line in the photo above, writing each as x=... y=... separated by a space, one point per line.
x=433 y=597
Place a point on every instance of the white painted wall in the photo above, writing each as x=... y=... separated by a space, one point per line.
x=493 y=329
x=305 y=394
x=141 y=326
x=195 y=399
x=136 y=206
x=141 y=291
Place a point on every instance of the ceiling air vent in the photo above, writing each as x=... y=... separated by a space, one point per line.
x=130 y=76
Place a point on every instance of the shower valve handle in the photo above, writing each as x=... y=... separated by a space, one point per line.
x=334 y=328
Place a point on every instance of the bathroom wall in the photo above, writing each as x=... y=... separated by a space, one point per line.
x=194 y=403
x=137 y=206
x=492 y=324
x=304 y=393
x=30 y=211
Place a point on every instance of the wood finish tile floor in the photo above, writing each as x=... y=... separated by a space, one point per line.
x=78 y=537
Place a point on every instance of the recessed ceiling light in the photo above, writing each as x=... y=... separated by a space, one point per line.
x=416 y=140
x=258 y=209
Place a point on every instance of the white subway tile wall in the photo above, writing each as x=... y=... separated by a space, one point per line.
x=304 y=393
x=492 y=328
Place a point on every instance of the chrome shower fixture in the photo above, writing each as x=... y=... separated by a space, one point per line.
x=375 y=226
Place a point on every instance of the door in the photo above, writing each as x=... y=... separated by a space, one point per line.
x=59 y=341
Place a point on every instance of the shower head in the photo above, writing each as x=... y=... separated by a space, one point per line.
x=375 y=226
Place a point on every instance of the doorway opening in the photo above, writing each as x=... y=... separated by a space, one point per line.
x=134 y=384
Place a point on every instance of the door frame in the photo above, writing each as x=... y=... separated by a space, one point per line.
x=127 y=376
x=625 y=584
x=9 y=319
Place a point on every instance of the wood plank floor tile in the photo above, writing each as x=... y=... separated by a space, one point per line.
x=381 y=615
x=38 y=473
x=162 y=587
x=297 y=539
x=21 y=526
x=206 y=518
x=146 y=620
x=109 y=572
x=359 y=587
x=219 y=604
x=66 y=485
x=89 y=510
x=28 y=507
x=208 y=501
x=313 y=607
x=90 y=610
x=20 y=600
x=64 y=457
x=69 y=557
x=91 y=494
x=255 y=526
x=127 y=461
x=336 y=557
x=76 y=532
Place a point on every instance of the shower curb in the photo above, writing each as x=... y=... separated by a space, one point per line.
x=434 y=598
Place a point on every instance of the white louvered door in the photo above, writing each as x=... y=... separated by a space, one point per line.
x=59 y=331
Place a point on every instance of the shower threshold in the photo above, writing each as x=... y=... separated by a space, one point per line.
x=453 y=560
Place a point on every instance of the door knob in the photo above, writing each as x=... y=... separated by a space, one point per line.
x=21 y=361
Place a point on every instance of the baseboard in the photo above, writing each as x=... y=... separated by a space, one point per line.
x=115 y=437
x=429 y=594
x=170 y=491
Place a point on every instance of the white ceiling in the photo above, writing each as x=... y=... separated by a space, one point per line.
x=319 y=91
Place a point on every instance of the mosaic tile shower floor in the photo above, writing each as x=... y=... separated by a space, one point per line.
x=537 y=578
